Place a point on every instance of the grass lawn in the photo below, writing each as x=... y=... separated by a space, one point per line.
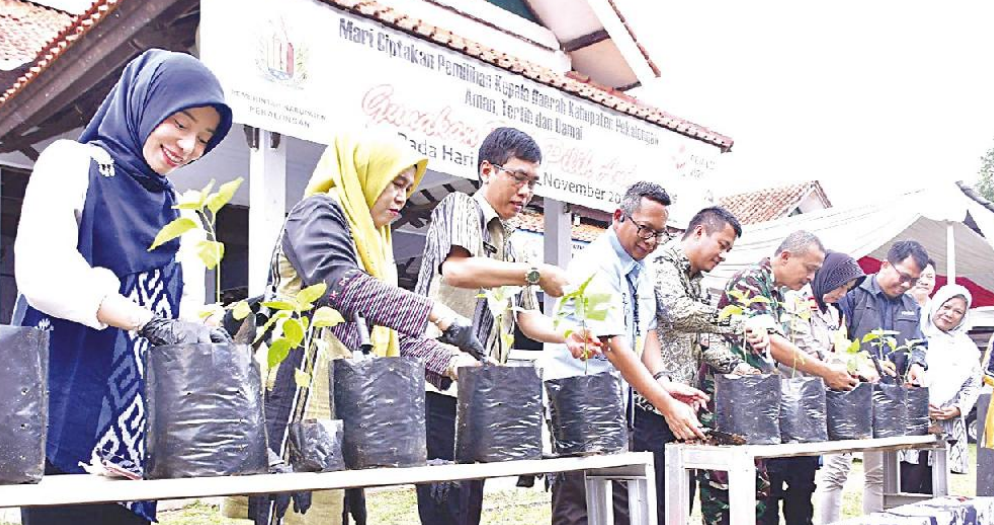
x=506 y=505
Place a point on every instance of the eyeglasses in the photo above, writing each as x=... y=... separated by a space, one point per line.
x=520 y=179
x=646 y=233
x=905 y=278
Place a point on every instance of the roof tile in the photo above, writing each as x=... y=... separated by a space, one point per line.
x=770 y=203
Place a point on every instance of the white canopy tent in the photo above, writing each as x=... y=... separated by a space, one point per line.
x=936 y=217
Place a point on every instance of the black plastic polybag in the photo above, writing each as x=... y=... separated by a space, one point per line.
x=588 y=414
x=749 y=406
x=890 y=410
x=205 y=412
x=316 y=445
x=918 y=420
x=802 y=410
x=381 y=403
x=850 y=414
x=498 y=414
x=24 y=410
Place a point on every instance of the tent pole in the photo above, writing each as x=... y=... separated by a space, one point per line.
x=557 y=240
x=950 y=254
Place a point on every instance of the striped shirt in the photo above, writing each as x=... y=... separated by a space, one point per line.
x=470 y=223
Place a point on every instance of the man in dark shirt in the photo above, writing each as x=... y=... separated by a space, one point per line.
x=882 y=302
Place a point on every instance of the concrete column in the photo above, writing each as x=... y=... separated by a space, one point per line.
x=267 y=202
x=558 y=241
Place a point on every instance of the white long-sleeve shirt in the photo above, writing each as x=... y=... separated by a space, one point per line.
x=49 y=270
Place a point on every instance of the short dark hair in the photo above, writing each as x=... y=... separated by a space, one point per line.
x=929 y=263
x=650 y=190
x=713 y=218
x=901 y=250
x=503 y=144
x=799 y=242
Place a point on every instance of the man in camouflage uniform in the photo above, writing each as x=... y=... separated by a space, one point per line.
x=685 y=318
x=793 y=265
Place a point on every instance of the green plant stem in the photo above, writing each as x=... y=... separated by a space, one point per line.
x=212 y=236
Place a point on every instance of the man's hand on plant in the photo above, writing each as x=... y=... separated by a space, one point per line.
x=759 y=339
x=869 y=373
x=837 y=377
x=553 y=280
x=458 y=361
x=584 y=344
x=744 y=369
x=889 y=368
x=916 y=375
x=686 y=394
x=682 y=420
x=460 y=334
x=161 y=331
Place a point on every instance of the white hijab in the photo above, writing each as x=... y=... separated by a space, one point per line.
x=952 y=356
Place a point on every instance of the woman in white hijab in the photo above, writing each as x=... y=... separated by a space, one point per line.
x=954 y=380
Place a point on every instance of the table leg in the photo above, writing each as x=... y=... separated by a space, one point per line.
x=600 y=507
x=940 y=471
x=742 y=489
x=677 y=487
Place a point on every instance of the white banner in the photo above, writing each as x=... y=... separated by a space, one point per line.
x=305 y=69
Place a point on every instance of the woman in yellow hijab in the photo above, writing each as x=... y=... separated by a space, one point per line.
x=339 y=234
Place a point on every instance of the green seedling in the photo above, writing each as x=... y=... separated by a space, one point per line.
x=740 y=306
x=206 y=205
x=297 y=325
x=500 y=302
x=585 y=307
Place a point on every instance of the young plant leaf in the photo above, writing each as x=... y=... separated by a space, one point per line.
x=224 y=194
x=507 y=339
x=190 y=200
x=288 y=304
x=210 y=252
x=278 y=352
x=303 y=379
x=210 y=310
x=283 y=314
x=205 y=193
x=172 y=230
x=728 y=311
x=241 y=310
x=293 y=332
x=326 y=316
x=311 y=293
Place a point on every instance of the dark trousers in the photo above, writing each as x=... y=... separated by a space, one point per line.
x=456 y=503
x=917 y=479
x=569 y=500
x=99 y=514
x=651 y=435
x=792 y=482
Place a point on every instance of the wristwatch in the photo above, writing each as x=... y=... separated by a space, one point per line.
x=533 y=276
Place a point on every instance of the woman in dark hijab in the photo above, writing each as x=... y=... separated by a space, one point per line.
x=83 y=267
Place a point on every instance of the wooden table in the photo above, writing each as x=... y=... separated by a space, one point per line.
x=634 y=467
x=739 y=462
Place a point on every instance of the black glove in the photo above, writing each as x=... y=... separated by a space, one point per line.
x=460 y=335
x=161 y=331
x=263 y=506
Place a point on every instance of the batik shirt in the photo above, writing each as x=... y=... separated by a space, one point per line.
x=685 y=321
x=460 y=220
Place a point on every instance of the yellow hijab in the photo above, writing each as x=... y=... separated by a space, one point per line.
x=355 y=169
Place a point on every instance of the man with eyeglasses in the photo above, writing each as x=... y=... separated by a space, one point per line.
x=467 y=249
x=617 y=262
x=882 y=301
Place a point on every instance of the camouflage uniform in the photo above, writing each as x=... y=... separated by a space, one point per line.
x=754 y=281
